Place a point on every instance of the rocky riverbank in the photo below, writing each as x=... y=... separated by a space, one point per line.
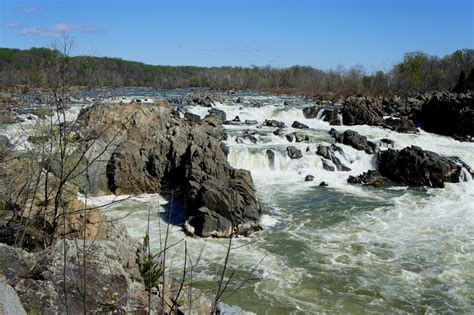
x=149 y=149
x=444 y=113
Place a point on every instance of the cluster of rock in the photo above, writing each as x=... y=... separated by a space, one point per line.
x=355 y=140
x=101 y=274
x=146 y=149
x=201 y=98
x=440 y=112
x=449 y=114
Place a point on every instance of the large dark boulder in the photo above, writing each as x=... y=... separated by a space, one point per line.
x=294 y=153
x=402 y=125
x=355 y=140
x=300 y=137
x=415 y=167
x=219 y=114
x=311 y=111
x=449 y=114
x=333 y=154
x=360 y=114
x=201 y=98
x=298 y=125
x=412 y=166
x=145 y=149
x=192 y=117
x=274 y=123
x=328 y=112
x=370 y=178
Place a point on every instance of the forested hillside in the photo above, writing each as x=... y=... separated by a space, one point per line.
x=417 y=72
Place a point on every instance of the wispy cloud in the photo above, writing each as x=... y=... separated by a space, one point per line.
x=12 y=25
x=28 y=9
x=58 y=29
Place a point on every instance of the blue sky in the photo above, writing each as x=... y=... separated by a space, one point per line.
x=319 y=33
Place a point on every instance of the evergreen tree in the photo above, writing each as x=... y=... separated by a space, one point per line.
x=461 y=85
x=470 y=81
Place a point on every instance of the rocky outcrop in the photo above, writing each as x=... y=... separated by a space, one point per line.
x=370 y=111
x=201 y=98
x=148 y=149
x=274 y=123
x=327 y=112
x=294 y=152
x=355 y=140
x=10 y=304
x=334 y=158
x=412 y=166
x=370 y=178
x=449 y=114
x=218 y=114
x=300 y=137
x=360 y=114
x=298 y=125
x=402 y=125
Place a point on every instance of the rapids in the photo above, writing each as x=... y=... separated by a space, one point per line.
x=336 y=249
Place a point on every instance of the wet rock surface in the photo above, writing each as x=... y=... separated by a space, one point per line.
x=412 y=166
x=148 y=149
x=355 y=140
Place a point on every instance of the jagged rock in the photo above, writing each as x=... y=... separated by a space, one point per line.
x=202 y=98
x=361 y=114
x=329 y=153
x=250 y=122
x=298 y=125
x=449 y=114
x=401 y=125
x=279 y=132
x=250 y=132
x=274 y=123
x=293 y=152
x=355 y=140
x=388 y=142
x=411 y=166
x=239 y=100
x=329 y=113
x=415 y=167
x=192 y=117
x=370 y=178
x=309 y=178
x=10 y=304
x=271 y=158
x=220 y=115
x=311 y=112
x=108 y=285
x=289 y=137
x=327 y=166
x=149 y=150
x=323 y=184
x=236 y=119
x=11 y=264
x=251 y=138
x=300 y=137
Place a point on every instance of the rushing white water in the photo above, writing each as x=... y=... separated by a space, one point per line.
x=337 y=249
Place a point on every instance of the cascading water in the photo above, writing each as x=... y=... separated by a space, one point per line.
x=337 y=249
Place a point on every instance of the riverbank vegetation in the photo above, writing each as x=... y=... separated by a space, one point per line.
x=417 y=72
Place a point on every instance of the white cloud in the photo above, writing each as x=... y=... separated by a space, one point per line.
x=57 y=29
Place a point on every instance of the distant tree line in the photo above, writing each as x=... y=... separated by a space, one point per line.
x=417 y=72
